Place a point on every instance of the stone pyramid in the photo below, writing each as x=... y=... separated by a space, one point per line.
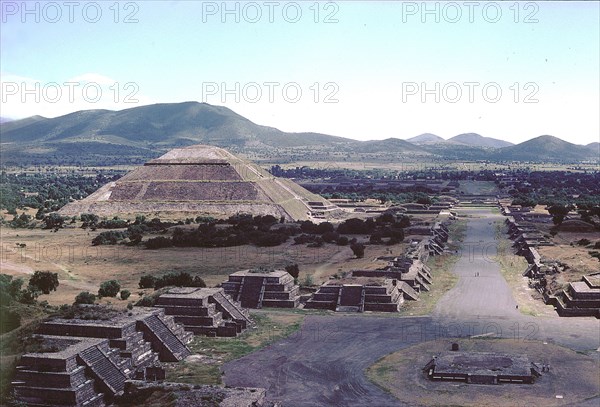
x=202 y=180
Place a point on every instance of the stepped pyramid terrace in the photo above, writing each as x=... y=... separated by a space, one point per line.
x=361 y=294
x=128 y=331
x=580 y=298
x=206 y=311
x=86 y=360
x=206 y=181
x=263 y=288
x=65 y=373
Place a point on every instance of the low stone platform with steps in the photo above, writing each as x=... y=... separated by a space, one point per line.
x=135 y=333
x=205 y=311
x=360 y=294
x=263 y=288
x=69 y=372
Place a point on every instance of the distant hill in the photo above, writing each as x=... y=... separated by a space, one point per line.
x=5 y=120
x=594 y=146
x=132 y=136
x=145 y=132
x=545 y=148
x=426 y=138
x=475 y=140
x=165 y=125
x=390 y=144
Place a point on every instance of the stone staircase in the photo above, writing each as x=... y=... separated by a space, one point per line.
x=251 y=292
x=351 y=299
x=111 y=379
x=171 y=347
x=232 y=310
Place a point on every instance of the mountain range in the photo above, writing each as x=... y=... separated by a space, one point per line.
x=136 y=134
x=466 y=139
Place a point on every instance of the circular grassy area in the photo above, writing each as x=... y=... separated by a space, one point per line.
x=573 y=376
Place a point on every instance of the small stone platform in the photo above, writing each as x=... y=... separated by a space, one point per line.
x=481 y=368
x=263 y=288
x=205 y=311
x=361 y=294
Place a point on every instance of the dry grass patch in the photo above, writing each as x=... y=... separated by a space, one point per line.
x=209 y=354
x=512 y=268
x=441 y=270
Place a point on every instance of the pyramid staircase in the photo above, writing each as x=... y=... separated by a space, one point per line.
x=171 y=347
x=251 y=293
x=232 y=310
x=104 y=369
x=351 y=299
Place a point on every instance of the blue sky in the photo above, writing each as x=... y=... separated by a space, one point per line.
x=364 y=70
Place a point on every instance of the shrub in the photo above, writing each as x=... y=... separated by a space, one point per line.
x=393 y=240
x=358 y=249
x=114 y=223
x=375 y=238
x=10 y=289
x=85 y=297
x=324 y=227
x=29 y=296
x=308 y=280
x=88 y=219
x=125 y=294
x=109 y=237
x=318 y=242
x=109 y=288
x=44 y=281
x=147 y=281
x=329 y=237
x=342 y=241
x=583 y=242
x=181 y=279
x=355 y=226
x=158 y=243
x=53 y=221
x=146 y=301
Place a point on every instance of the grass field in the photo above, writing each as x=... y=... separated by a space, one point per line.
x=209 y=354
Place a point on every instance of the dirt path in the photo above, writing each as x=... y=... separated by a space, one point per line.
x=481 y=289
x=324 y=363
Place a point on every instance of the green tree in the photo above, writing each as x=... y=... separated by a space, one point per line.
x=558 y=212
x=85 y=297
x=44 y=281
x=147 y=281
x=109 y=288
x=358 y=249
